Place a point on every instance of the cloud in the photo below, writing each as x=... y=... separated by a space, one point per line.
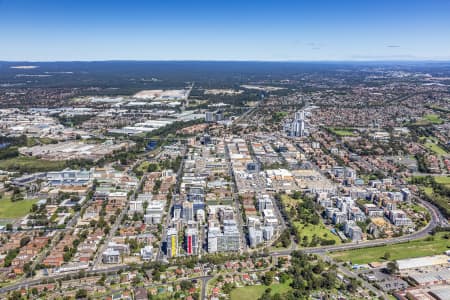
x=314 y=46
x=393 y=46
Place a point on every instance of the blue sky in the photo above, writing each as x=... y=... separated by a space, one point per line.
x=47 y=30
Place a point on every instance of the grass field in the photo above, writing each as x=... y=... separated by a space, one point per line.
x=309 y=230
x=342 y=131
x=433 y=119
x=435 y=148
x=14 y=210
x=256 y=291
x=442 y=179
x=398 y=251
x=30 y=164
x=320 y=230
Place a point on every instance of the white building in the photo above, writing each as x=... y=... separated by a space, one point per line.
x=147 y=253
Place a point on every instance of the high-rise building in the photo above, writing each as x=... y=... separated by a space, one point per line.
x=213 y=116
x=228 y=240
x=264 y=202
x=268 y=232
x=177 y=210
x=213 y=234
x=297 y=127
x=172 y=242
x=255 y=236
x=191 y=241
x=209 y=116
x=299 y=115
x=188 y=211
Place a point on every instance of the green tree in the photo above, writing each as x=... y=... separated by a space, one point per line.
x=82 y=293
x=392 y=267
x=268 y=278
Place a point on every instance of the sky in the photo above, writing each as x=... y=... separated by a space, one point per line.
x=313 y=30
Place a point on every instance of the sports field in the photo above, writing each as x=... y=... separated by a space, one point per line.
x=14 y=210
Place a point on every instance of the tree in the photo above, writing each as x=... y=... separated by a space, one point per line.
x=186 y=285
x=392 y=267
x=152 y=167
x=268 y=278
x=82 y=293
x=25 y=240
x=102 y=280
x=16 y=295
x=387 y=255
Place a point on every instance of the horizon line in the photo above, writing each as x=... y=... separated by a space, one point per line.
x=399 y=60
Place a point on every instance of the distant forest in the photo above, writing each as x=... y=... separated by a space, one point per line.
x=137 y=75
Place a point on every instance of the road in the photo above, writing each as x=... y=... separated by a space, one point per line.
x=205 y=280
x=31 y=282
x=168 y=219
x=237 y=204
x=56 y=238
x=115 y=227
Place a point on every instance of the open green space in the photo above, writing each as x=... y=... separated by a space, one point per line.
x=320 y=230
x=307 y=230
x=289 y=202
x=256 y=291
x=14 y=210
x=428 y=246
x=435 y=148
x=31 y=164
x=342 y=131
x=433 y=118
x=436 y=190
x=429 y=119
x=442 y=179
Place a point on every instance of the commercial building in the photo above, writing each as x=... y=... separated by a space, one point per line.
x=228 y=240
x=111 y=256
x=172 y=242
x=255 y=236
x=147 y=253
x=191 y=241
x=69 y=177
x=188 y=211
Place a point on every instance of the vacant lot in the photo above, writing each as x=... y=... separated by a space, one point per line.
x=30 y=164
x=320 y=230
x=256 y=291
x=412 y=249
x=14 y=210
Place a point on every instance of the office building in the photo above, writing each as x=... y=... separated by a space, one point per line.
x=188 y=211
x=191 y=241
x=172 y=242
